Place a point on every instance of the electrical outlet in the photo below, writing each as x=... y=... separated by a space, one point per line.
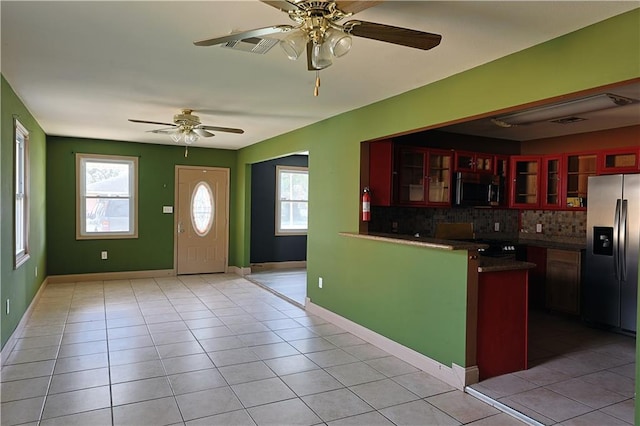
x=496 y=226
x=538 y=228
x=104 y=255
x=320 y=282
x=7 y=306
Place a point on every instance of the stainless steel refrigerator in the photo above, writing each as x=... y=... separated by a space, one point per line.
x=613 y=244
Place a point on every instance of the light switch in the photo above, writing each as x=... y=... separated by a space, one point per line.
x=167 y=209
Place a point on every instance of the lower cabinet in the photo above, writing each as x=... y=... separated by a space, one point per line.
x=537 y=276
x=562 y=281
x=502 y=322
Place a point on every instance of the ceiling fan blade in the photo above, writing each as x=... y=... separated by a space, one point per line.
x=282 y=5
x=220 y=129
x=258 y=32
x=396 y=35
x=165 y=131
x=152 y=122
x=356 y=6
x=202 y=132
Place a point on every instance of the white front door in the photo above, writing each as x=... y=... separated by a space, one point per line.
x=202 y=226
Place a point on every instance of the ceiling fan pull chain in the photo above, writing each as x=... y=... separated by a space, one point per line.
x=316 y=90
x=186 y=151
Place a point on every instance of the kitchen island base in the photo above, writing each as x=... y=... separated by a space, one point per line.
x=502 y=322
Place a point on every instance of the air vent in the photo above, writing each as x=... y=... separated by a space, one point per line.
x=252 y=45
x=568 y=120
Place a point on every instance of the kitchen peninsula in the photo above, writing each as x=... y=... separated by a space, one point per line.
x=497 y=302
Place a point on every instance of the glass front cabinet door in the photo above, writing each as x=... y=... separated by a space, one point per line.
x=525 y=175
x=424 y=177
x=579 y=168
x=551 y=182
x=439 y=177
x=411 y=176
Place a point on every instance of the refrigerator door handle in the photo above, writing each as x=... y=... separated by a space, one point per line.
x=623 y=241
x=616 y=240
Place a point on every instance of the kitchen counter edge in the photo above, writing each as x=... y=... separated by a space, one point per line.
x=485 y=264
x=417 y=241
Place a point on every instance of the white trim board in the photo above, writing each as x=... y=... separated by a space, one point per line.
x=456 y=376
x=5 y=352
x=108 y=276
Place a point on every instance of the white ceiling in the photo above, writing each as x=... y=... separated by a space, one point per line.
x=84 y=67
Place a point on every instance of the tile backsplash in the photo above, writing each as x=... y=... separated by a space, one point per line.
x=407 y=220
x=560 y=226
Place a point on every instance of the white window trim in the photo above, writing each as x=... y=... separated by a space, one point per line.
x=21 y=189
x=278 y=230
x=80 y=197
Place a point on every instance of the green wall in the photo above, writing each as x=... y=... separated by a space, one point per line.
x=153 y=249
x=20 y=285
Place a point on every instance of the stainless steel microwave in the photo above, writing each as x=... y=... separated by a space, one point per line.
x=477 y=189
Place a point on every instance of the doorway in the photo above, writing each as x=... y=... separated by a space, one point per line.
x=201 y=220
x=278 y=250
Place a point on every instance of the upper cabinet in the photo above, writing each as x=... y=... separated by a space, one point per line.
x=381 y=172
x=525 y=181
x=620 y=161
x=424 y=177
x=552 y=179
x=579 y=167
x=474 y=162
x=416 y=176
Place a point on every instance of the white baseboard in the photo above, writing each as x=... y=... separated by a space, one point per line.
x=106 y=276
x=456 y=376
x=267 y=266
x=13 y=339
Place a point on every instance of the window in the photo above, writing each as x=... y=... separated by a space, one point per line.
x=106 y=205
x=292 y=195
x=21 y=180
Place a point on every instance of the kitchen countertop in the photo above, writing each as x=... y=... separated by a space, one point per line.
x=560 y=245
x=485 y=263
x=417 y=241
x=498 y=264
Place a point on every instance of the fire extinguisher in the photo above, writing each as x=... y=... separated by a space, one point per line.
x=366 y=205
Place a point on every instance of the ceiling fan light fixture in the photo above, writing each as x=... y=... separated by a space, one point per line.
x=294 y=45
x=320 y=56
x=339 y=42
x=190 y=137
x=175 y=136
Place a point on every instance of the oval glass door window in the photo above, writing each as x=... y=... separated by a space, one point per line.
x=202 y=208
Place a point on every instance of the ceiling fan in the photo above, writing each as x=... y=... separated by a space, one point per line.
x=317 y=31
x=187 y=127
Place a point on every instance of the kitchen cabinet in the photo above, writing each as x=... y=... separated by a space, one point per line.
x=424 y=177
x=381 y=172
x=552 y=172
x=619 y=161
x=525 y=182
x=579 y=167
x=502 y=322
x=474 y=162
x=562 y=288
x=537 y=276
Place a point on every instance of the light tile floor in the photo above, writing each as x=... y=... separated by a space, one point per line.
x=577 y=375
x=206 y=350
